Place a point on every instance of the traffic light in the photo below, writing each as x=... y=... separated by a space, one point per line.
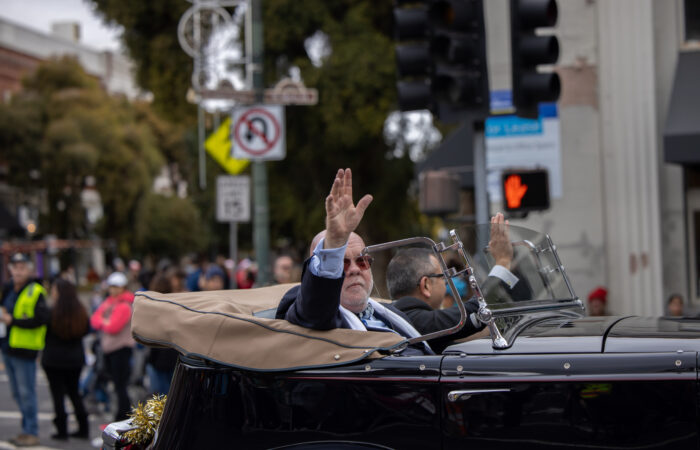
x=460 y=81
x=529 y=50
x=413 y=59
x=525 y=190
x=443 y=67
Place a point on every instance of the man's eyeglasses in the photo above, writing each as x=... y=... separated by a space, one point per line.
x=363 y=262
x=431 y=275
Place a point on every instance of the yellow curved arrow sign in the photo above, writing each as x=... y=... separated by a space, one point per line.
x=218 y=145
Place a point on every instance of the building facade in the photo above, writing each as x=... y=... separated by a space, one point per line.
x=628 y=217
x=23 y=49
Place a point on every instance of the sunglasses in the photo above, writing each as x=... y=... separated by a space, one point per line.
x=363 y=262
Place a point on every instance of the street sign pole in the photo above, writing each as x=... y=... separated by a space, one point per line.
x=200 y=148
x=233 y=206
x=261 y=223
x=233 y=243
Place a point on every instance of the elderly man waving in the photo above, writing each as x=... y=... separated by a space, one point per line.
x=337 y=280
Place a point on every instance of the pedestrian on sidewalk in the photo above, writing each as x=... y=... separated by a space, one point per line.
x=64 y=357
x=25 y=314
x=113 y=320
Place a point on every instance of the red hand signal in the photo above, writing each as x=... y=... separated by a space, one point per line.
x=515 y=191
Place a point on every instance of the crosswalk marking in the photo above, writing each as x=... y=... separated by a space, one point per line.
x=4 y=445
x=18 y=415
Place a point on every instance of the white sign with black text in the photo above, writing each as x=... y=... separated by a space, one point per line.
x=233 y=198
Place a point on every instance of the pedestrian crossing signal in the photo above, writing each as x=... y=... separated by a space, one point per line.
x=525 y=190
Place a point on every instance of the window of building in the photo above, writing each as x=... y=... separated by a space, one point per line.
x=693 y=224
x=692 y=20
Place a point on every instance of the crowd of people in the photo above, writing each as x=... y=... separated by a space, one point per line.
x=48 y=322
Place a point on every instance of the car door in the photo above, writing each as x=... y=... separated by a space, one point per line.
x=393 y=402
x=544 y=401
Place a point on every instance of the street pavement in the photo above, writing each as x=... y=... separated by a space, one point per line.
x=10 y=418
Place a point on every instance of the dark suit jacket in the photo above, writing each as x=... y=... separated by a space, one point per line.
x=497 y=291
x=428 y=320
x=315 y=304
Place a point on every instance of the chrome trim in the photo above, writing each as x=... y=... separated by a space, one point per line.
x=466 y=394
x=561 y=267
x=517 y=310
x=484 y=314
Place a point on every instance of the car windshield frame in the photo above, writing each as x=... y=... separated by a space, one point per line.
x=544 y=287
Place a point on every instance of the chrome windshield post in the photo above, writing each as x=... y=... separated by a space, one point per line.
x=484 y=314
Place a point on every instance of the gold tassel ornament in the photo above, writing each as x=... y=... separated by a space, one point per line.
x=145 y=420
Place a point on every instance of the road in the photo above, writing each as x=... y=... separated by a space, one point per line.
x=10 y=418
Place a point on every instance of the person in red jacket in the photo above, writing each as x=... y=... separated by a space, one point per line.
x=113 y=320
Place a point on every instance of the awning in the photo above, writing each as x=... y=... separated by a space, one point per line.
x=682 y=131
x=455 y=153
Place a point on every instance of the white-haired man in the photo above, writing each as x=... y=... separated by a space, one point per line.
x=337 y=281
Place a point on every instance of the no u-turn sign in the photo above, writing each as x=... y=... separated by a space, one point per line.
x=258 y=132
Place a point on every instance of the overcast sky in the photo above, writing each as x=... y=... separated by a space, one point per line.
x=40 y=14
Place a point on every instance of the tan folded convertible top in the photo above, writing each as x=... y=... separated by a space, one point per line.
x=220 y=326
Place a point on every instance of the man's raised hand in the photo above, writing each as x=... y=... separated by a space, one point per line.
x=342 y=215
x=501 y=248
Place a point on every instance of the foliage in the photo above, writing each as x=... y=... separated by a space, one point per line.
x=168 y=138
x=62 y=128
x=20 y=138
x=167 y=226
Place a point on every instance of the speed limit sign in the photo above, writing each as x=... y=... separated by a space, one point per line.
x=233 y=198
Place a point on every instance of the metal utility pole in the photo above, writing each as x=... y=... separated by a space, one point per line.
x=261 y=220
x=481 y=199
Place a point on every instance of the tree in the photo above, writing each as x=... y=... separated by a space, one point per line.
x=63 y=128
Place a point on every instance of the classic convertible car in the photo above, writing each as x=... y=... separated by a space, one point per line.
x=542 y=377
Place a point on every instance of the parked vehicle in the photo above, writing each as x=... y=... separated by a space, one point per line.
x=546 y=377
